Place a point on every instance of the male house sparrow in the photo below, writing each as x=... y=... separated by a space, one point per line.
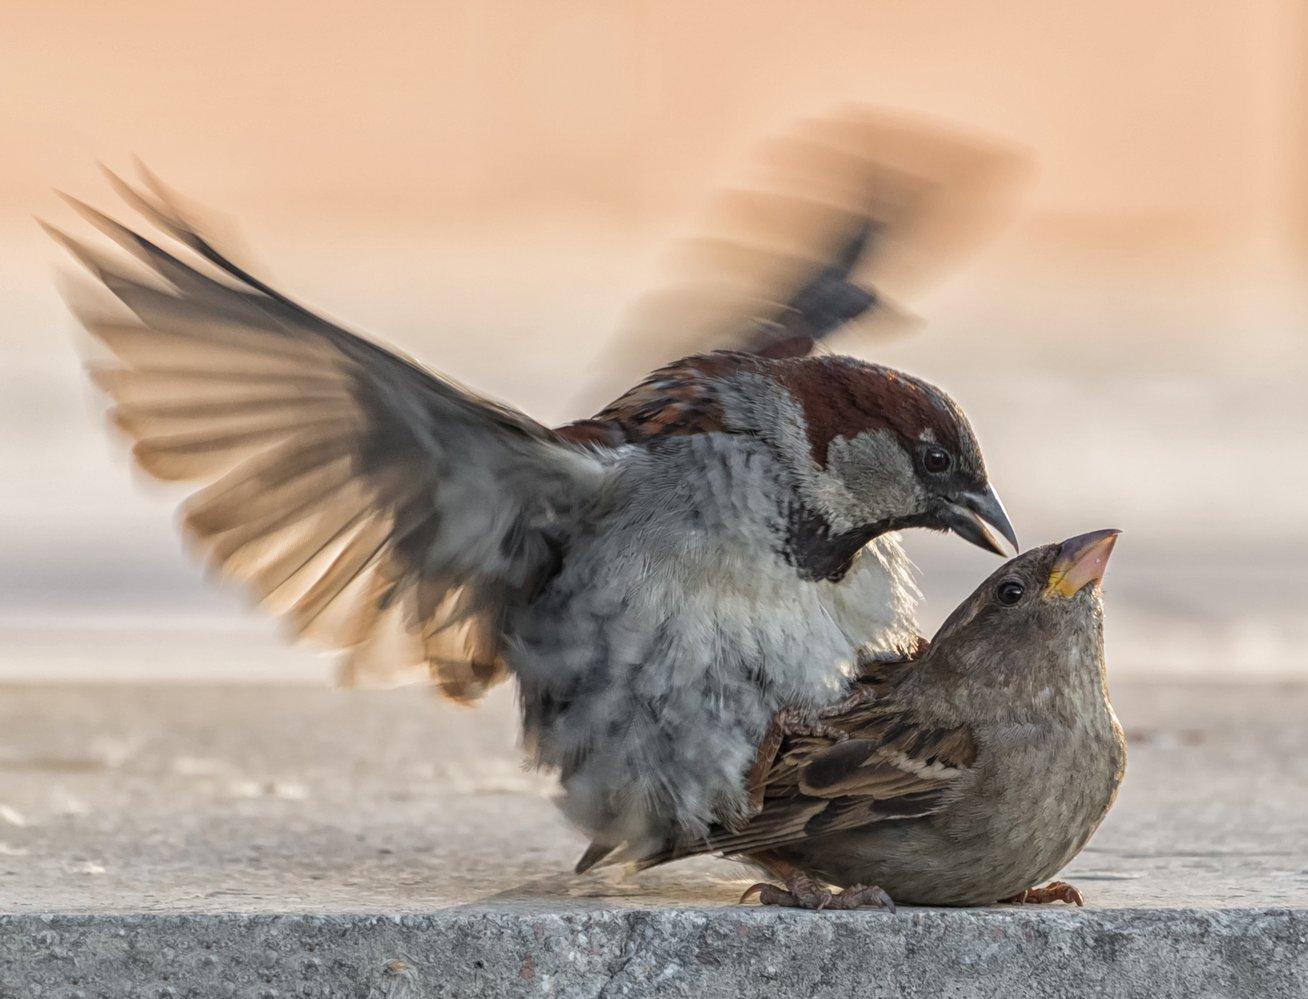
x=965 y=777
x=658 y=580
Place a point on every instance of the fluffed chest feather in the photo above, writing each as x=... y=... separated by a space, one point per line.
x=674 y=630
x=1044 y=791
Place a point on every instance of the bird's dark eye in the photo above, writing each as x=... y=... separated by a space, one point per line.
x=1010 y=592
x=936 y=460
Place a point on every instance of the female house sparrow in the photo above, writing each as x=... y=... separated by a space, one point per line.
x=965 y=777
x=650 y=578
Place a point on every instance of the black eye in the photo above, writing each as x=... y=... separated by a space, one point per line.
x=1010 y=592
x=936 y=460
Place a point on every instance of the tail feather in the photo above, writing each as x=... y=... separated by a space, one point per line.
x=594 y=854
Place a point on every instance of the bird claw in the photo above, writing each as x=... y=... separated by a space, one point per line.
x=807 y=723
x=1055 y=891
x=864 y=897
x=861 y=694
x=788 y=723
x=803 y=892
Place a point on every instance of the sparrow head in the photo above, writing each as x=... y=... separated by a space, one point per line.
x=1040 y=612
x=883 y=450
x=870 y=449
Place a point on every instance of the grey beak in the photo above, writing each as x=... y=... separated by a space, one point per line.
x=970 y=515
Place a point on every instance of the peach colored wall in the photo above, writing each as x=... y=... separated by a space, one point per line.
x=487 y=183
x=1157 y=108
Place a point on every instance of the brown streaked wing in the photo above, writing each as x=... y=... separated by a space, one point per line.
x=677 y=399
x=894 y=766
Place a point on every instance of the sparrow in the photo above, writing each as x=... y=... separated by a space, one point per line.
x=659 y=580
x=967 y=776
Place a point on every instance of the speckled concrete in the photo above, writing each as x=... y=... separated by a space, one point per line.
x=297 y=841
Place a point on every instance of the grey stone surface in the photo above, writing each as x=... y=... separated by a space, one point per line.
x=291 y=841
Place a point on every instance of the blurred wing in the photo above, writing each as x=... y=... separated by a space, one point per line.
x=845 y=216
x=893 y=767
x=377 y=506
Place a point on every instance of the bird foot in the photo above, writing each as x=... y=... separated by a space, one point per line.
x=802 y=892
x=811 y=724
x=788 y=723
x=1055 y=891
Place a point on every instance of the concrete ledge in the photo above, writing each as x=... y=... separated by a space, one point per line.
x=675 y=952
x=258 y=841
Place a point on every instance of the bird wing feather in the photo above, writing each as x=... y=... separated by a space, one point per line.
x=836 y=222
x=895 y=765
x=377 y=506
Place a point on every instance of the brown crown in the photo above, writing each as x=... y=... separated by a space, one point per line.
x=843 y=397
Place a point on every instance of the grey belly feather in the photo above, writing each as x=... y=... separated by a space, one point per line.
x=651 y=666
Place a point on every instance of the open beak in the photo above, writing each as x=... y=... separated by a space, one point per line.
x=971 y=515
x=1081 y=561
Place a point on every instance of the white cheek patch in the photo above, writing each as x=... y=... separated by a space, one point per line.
x=868 y=477
x=877 y=474
x=755 y=401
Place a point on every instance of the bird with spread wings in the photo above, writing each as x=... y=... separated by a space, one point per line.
x=660 y=578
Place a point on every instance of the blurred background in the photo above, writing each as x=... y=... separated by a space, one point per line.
x=489 y=184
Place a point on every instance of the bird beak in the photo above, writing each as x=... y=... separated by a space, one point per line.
x=1081 y=561
x=970 y=515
